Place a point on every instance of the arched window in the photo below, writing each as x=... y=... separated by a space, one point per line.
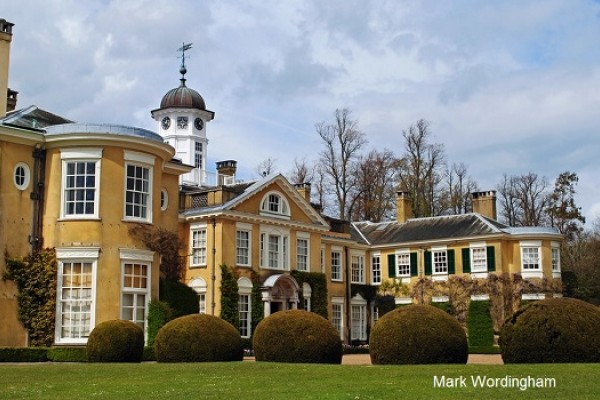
x=245 y=306
x=199 y=286
x=275 y=204
x=306 y=293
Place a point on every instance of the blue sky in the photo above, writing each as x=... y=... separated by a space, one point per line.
x=508 y=86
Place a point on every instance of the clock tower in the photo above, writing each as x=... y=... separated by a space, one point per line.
x=182 y=119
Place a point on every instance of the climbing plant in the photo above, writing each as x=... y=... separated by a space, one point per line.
x=35 y=277
x=318 y=285
x=258 y=310
x=229 y=296
x=164 y=242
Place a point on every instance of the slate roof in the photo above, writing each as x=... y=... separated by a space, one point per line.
x=426 y=229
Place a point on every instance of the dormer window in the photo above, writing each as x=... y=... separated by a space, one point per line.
x=275 y=205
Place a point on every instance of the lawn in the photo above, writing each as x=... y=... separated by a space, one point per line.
x=250 y=380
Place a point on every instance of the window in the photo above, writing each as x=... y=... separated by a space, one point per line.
x=198 y=247
x=336 y=265
x=135 y=295
x=359 y=322
x=376 y=269
x=198 y=155
x=75 y=294
x=22 y=176
x=440 y=262
x=479 y=259
x=199 y=286
x=403 y=265
x=306 y=294
x=274 y=249
x=302 y=256
x=138 y=186
x=358 y=268
x=531 y=259
x=322 y=259
x=245 y=307
x=555 y=259
x=275 y=205
x=337 y=312
x=242 y=240
x=164 y=199
x=135 y=285
x=80 y=183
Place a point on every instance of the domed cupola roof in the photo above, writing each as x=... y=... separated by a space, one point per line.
x=183 y=97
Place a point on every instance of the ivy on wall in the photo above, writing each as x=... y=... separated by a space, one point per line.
x=164 y=242
x=258 y=309
x=229 y=296
x=479 y=324
x=318 y=285
x=35 y=277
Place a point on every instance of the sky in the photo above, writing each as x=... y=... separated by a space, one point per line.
x=508 y=87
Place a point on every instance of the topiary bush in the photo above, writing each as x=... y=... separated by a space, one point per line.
x=418 y=334
x=552 y=331
x=115 y=341
x=297 y=336
x=198 y=338
x=479 y=324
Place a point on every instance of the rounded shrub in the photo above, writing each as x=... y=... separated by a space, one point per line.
x=198 y=338
x=557 y=330
x=297 y=336
x=418 y=334
x=115 y=341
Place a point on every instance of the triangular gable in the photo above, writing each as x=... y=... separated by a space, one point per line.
x=257 y=190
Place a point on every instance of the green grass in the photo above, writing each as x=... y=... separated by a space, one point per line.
x=250 y=380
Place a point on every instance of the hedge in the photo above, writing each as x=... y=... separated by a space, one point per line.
x=479 y=324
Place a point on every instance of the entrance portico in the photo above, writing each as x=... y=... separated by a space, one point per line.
x=279 y=293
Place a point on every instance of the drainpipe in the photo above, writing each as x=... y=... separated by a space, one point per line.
x=37 y=197
x=213 y=277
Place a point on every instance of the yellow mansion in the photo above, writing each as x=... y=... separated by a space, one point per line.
x=78 y=188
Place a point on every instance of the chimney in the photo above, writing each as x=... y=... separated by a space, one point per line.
x=484 y=203
x=5 y=40
x=403 y=206
x=226 y=172
x=304 y=190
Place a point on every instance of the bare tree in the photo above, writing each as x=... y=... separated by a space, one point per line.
x=419 y=170
x=342 y=141
x=375 y=174
x=459 y=188
x=266 y=167
x=301 y=171
x=562 y=211
x=523 y=199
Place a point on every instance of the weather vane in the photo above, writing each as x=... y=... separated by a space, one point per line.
x=182 y=49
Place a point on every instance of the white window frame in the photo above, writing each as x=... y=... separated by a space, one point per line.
x=198 y=245
x=272 y=208
x=274 y=259
x=337 y=273
x=358 y=307
x=479 y=261
x=80 y=155
x=199 y=286
x=357 y=267
x=141 y=258
x=87 y=255
x=403 y=263
x=26 y=176
x=531 y=247
x=555 y=257
x=139 y=160
x=303 y=260
x=247 y=230
x=164 y=199
x=245 y=299
x=437 y=266
x=323 y=266
x=337 y=315
x=376 y=269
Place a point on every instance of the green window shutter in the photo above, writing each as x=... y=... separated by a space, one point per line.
x=427 y=262
x=466 y=256
x=491 y=258
x=451 y=266
x=414 y=267
x=392 y=265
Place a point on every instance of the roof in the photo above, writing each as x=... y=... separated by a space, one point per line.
x=438 y=228
x=108 y=129
x=34 y=118
x=183 y=97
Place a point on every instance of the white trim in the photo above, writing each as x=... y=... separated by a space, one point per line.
x=140 y=158
x=477 y=245
x=530 y=243
x=361 y=263
x=533 y=296
x=164 y=203
x=244 y=285
x=338 y=250
x=77 y=252
x=285 y=212
x=243 y=226
x=198 y=284
x=480 y=297
x=136 y=255
x=134 y=161
x=378 y=255
x=283 y=253
x=440 y=299
x=403 y=300
x=247 y=228
x=198 y=227
x=26 y=175
x=69 y=157
x=83 y=153
x=404 y=252
x=358 y=300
